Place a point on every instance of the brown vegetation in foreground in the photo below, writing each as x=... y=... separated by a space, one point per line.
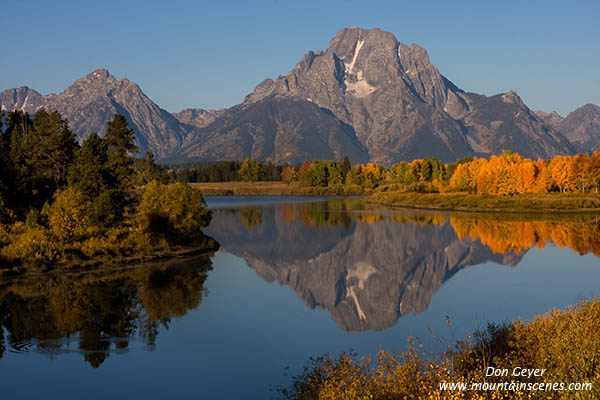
x=564 y=343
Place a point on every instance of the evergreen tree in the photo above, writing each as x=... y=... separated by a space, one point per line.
x=39 y=154
x=3 y=160
x=51 y=148
x=18 y=127
x=89 y=170
x=104 y=171
x=147 y=170
x=346 y=166
x=120 y=141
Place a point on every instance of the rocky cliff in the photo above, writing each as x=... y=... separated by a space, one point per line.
x=93 y=100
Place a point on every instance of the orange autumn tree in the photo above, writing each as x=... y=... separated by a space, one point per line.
x=579 y=174
x=289 y=174
x=543 y=181
x=496 y=176
x=559 y=170
x=595 y=170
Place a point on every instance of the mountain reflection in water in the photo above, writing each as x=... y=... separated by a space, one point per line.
x=102 y=311
x=368 y=267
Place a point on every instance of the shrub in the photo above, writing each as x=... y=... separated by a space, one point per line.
x=565 y=343
x=29 y=246
x=177 y=210
x=32 y=218
x=68 y=217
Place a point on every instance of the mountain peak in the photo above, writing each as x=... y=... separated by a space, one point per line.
x=99 y=73
x=99 y=79
x=512 y=97
x=591 y=107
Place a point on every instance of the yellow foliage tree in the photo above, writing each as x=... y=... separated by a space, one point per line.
x=68 y=218
x=172 y=209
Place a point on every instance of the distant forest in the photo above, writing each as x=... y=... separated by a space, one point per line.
x=217 y=171
x=504 y=174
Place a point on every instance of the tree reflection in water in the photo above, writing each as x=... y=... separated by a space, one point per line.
x=501 y=233
x=101 y=310
x=369 y=265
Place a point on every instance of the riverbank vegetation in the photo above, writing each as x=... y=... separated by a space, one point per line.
x=507 y=174
x=505 y=182
x=64 y=204
x=460 y=201
x=565 y=344
x=237 y=188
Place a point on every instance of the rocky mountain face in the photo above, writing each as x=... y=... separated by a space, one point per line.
x=93 y=100
x=367 y=96
x=400 y=107
x=22 y=98
x=198 y=117
x=504 y=122
x=581 y=127
x=366 y=275
x=279 y=130
x=552 y=119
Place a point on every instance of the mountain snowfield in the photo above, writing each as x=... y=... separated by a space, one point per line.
x=367 y=96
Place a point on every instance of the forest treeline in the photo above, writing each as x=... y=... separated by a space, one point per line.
x=61 y=201
x=221 y=171
x=505 y=174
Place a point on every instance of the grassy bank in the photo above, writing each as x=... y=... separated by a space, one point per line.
x=549 y=202
x=38 y=254
x=459 y=201
x=565 y=344
x=273 y=189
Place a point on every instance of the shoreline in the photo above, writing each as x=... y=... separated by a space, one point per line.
x=178 y=253
x=276 y=188
x=473 y=203
x=563 y=203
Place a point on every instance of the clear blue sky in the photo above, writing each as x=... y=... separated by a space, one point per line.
x=211 y=54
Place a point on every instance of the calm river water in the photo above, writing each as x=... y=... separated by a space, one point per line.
x=294 y=278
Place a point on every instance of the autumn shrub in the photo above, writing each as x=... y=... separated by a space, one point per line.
x=30 y=246
x=410 y=375
x=68 y=218
x=564 y=343
x=4 y=235
x=176 y=211
x=32 y=217
x=95 y=246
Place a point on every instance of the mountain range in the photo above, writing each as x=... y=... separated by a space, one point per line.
x=367 y=96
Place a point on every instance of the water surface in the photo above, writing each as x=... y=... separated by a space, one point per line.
x=294 y=278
